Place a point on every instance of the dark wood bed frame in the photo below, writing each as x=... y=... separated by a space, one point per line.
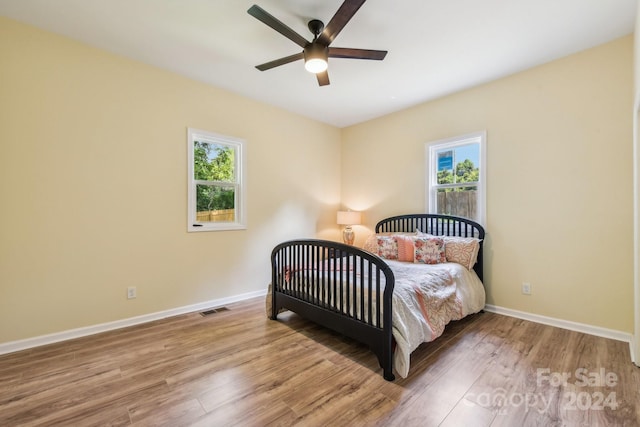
x=307 y=278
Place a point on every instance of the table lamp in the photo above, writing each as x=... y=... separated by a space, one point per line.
x=348 y=218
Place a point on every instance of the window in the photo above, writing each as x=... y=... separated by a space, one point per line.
x=456 y=174
x=216 y=177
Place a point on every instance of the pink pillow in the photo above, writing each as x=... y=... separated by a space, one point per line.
x=406 y=249
x=429 y=250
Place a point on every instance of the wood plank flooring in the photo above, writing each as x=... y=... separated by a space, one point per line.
x=237 y=368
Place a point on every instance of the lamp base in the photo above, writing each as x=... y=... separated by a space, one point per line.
x=348 y=235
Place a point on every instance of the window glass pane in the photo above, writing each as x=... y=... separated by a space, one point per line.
x=215 y=204
x=213 y=162
x=458 y=164
x=458 y=201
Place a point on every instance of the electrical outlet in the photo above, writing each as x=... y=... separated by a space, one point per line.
x=526 y=288
x=131 y=292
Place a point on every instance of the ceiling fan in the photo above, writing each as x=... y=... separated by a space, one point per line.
x=316 y=52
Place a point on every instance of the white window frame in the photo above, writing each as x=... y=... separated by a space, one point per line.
x=238 y=145
x=431 y=161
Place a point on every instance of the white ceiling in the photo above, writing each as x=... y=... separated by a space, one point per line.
x=435 y=47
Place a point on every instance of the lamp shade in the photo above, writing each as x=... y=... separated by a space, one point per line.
x=349 y=218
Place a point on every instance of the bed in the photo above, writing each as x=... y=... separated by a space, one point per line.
x=417 y=273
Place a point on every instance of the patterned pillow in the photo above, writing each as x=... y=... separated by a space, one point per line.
x=387 y=247
x=429 y=250
x=371 y=244
x=463 y=250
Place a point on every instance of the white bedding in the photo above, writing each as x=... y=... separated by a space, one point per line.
x=425 y=299
x=424 y=303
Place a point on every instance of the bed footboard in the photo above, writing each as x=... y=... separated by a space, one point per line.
x=340 y=287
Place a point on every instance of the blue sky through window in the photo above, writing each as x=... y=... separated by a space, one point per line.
x=470 y=152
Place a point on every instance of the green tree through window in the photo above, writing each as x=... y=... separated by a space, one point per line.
x=465 y=171
x=215 y=164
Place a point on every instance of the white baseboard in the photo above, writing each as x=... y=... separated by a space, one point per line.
x=566 y=324
x=14 y=346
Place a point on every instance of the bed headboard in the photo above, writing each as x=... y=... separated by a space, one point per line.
x=437 y=225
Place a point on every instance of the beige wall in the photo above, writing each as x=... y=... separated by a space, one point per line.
x=559 y=180
x=93 y=166
x=93 y=184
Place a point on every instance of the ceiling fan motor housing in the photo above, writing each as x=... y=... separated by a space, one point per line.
x=316 y=51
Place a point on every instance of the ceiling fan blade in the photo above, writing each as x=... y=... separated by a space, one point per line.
x=345 y=52
x=264 y=16
x=323 y=78
x=339 y=20
x=277 y=62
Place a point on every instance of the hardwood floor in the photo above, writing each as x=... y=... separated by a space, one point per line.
x=236 y=367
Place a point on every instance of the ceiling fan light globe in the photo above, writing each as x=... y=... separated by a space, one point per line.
x=315 y=65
